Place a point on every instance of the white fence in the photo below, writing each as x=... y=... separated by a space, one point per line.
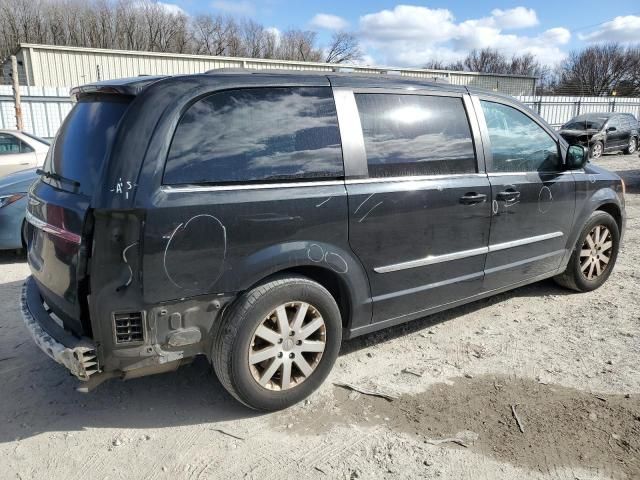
x=559 y=110
x=44 y=108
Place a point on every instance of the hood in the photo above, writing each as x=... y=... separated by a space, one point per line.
x=577 y=133
x=18 y=181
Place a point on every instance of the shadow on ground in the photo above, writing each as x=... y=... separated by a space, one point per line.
x=39 y=396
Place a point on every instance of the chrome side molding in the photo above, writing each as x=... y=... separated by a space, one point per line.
x=448 y=257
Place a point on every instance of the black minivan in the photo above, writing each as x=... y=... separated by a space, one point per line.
x=260 y=218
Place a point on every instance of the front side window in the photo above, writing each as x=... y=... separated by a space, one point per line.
x=257 y=135
x=9 y=144
x=518 y=144
x=406 y=135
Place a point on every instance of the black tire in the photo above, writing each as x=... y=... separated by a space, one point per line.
x=573 y=277
x=632 y=148
x=596 y=146
x=233 y=337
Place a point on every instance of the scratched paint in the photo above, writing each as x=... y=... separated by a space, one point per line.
x=545 y=199
x=126 y=261
x=194 y=256
x=333 y=260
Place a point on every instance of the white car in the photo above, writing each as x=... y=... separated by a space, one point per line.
x=20 y=150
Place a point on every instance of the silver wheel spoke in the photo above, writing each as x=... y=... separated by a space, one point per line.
x=591 y=268
x=590 y=241
x=311 y=346
x=585 y=253
x=300 y=315
x=311 y=327
x=597 y=235
x=293 y=333
x=604 y=258
x=286 y=375
x=606 y=246
x=283 y=320
x=598 y=269
x=264 y=354
x=586 y=263
x=267 y=334
x=303 y=365
x=269 y=372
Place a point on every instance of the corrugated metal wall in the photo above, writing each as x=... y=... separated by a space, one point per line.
x=63 y=66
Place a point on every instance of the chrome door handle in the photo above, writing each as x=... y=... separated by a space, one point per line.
x=472 y=198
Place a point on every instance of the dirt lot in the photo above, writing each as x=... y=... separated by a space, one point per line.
x=569 y=363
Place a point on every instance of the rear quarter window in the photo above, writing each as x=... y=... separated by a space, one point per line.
x=257 y=135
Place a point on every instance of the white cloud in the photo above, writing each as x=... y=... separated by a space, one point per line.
x=241 y=7
x=329 y=22
x=413 y=35
x=518 y=17
x=172 y=8
x=623 y=29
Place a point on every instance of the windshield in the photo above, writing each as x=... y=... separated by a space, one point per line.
x=82 y=142
x=586 y=124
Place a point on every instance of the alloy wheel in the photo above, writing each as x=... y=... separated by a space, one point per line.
x=287 y=346
x=596 y=152
x=596 y=252
x=632 y=145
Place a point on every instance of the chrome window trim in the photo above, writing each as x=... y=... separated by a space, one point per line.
x=433 y=259
x=413 y=178
x=248 y=186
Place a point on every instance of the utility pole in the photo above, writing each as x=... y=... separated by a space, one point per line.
x=16 y=91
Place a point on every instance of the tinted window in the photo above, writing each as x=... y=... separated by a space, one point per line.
x=518 y=144
x=259 y=134
x=80 y=147
x=415 y=135
x=9 y=144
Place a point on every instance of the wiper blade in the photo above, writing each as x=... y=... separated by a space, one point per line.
x=58 y=177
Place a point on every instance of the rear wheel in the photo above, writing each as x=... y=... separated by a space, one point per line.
x=632 y=147
x=594 y=255
x=596 y=150
x=277 y=343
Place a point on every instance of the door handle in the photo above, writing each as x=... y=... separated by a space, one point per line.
x=508 y=196
x=472 y=198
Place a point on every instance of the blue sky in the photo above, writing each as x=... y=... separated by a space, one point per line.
x=411 y=33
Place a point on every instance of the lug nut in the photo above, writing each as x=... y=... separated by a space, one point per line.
x=292 y=333
x=291 y=355
x=299 y=342
x=279 y=354
x=280 y=340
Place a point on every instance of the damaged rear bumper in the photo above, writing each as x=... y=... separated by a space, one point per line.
x=79 y=356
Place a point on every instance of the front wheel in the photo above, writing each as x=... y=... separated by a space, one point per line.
x=596 y=149
x=594 y=255
x=277 y=343
x=632 y=147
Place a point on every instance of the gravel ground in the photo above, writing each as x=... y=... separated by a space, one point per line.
x=566 y=363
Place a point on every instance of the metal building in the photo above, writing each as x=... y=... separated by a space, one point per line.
x=56 y=66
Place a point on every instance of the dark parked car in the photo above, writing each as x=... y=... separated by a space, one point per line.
x=603 y=132
x=260 y=218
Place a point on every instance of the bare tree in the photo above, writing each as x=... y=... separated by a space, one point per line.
x=298 y=45
x=343 y=48
x=600 y=70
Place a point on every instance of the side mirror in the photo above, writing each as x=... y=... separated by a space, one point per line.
x=577 y=157
x=611 y=129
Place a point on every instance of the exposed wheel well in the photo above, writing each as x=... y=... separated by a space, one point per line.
x=613 y=210
x=329 y=280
